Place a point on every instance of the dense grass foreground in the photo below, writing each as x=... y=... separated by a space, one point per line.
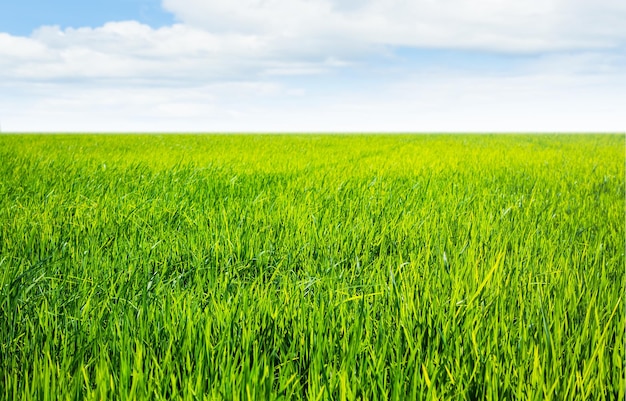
x=312 y=267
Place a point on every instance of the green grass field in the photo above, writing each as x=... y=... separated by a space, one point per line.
x=261 y=267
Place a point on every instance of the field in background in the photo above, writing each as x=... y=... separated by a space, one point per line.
x=312 y=267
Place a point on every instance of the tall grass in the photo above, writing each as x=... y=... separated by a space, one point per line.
x=312 y=267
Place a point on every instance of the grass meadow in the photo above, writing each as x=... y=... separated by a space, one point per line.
x=313 y=267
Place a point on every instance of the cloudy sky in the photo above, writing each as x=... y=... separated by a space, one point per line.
x=313 y=65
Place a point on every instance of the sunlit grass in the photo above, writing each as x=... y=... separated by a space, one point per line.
x=312 y=267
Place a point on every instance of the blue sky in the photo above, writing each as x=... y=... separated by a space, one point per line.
x=324 y=65
x=24 y=16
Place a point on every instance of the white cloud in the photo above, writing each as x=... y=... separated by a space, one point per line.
x=503 y=25
x=21 y=49
x=125 y=50
x=250 y=65
x=245 y=39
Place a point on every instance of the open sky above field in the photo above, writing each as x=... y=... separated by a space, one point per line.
x=303 y=65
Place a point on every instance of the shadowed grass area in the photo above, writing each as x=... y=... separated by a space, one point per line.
x=312 y=267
